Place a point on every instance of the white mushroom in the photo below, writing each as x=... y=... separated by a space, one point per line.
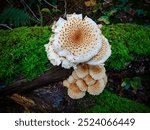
x=102 y=55
x=54 y=58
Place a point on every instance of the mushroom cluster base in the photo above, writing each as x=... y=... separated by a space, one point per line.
x=86 y=78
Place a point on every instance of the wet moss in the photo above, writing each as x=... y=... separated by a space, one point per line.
x=111 y=103
x=22 y=51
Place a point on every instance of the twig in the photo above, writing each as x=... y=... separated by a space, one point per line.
x=23 y=2
x=50 y=4
x=65 y=6
x=9 y=3
x=6 y=26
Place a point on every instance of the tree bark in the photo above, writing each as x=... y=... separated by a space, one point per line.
x=53 y=75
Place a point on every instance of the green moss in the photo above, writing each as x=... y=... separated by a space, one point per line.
x=22 y=51
x=109 y=102
x=127 y=41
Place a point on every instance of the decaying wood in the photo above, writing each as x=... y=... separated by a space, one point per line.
x=54 y=75
x=58 y=74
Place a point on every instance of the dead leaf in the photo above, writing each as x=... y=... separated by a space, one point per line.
x=90 y=3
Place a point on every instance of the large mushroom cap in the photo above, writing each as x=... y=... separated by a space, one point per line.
x=75 y=40
x=97 y=88
x=80 y=38
x=97 y=72
x=74 y=92
x=102 y=55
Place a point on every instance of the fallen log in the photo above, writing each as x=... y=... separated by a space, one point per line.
x=53 y=75
x=58 y=74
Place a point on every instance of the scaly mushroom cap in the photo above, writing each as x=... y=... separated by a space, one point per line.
x=102 y=55
x=54 y=58
x=89 y=80
x=74 y=92
x=75 y=41
x=81 y=37
x=82 y=70
x=97 y=88
x=81 y=84
x=97 y=72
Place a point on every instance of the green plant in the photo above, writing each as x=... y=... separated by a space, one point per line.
x=22 y=50
x=111 y=103
x=127 y=41
x=134 y=83
x=15 y=16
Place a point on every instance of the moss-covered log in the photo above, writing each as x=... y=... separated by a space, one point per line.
x=22 y=52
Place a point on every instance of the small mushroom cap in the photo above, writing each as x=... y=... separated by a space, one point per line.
x=102 y=55
x=66 y=83
x=74 y=75
x=71 y=79
x=105 y=78
x=82 y=70
x=89 y=80
x=97 y=72
x=74 y=92
x=97 y=88
x=81 y=84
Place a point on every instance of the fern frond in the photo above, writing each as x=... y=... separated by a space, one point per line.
x=14 y=16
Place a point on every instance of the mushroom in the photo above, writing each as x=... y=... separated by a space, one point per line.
x=97 y=88
x=97 y=72
x=82 y=70
x=102 y=55
x=81 y=84
x=66 y=83
x=52 y=55
x=74 y=75
x=78 y=42
x=71 y=79
x=89 y=80
x=74 y=92
x=75 y=40
x=105 y=79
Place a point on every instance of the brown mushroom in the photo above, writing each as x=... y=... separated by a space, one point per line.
x=82 y=70
x=81 y=84
x=74 y=92
x=89 y=80
x=97 y=72
x=97 y=88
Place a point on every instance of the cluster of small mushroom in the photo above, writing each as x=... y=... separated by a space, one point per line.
x=84 y=78
x=78 y=42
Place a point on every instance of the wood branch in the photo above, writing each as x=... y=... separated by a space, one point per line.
x=58 y=74
x=54 y=75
